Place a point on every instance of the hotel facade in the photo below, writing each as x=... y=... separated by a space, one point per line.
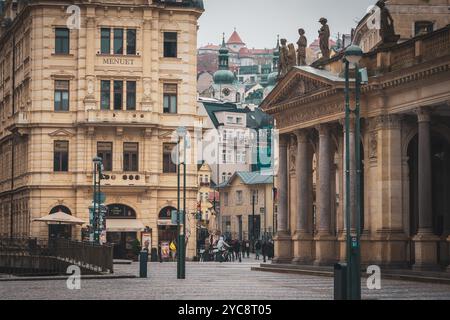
x=81 y=79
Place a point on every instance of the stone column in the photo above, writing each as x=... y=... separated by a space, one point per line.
x=425 y=240
x=325 y=241
x=302 y=239
x=282 y=239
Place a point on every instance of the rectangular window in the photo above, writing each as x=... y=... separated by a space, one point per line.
x=131 y=41
x=62 y=41
x=131 y=95
x=230 y=120
x=130 y=157
x=105 y=94
x=225 y=199
x=169 y=166
x=240 y=156
x=170 y=44
x=118 y=41
x=61 y=156
x=104 y=151
x=239 y=197
x=61 y=95
x=170 y=98
x=118 y=95
x=106 y=41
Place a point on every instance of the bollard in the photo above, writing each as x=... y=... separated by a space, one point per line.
x=340 y=281
x=143 y=260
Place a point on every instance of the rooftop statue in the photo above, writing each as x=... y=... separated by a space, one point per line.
x=324 y=37
x=301 y=51
x=284 y=59
x=387 y=29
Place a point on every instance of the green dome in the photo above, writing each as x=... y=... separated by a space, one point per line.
x=224 y=77
x=272 y=79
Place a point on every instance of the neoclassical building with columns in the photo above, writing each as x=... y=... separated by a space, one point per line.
x=109 y=78
x=405 y=151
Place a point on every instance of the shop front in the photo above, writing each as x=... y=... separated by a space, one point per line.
x=167 y=230
x=123 y=230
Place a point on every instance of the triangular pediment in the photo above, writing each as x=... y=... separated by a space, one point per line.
x=302 y=82
x=61 y=133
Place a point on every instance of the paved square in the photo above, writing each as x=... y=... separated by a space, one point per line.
x=211 y=281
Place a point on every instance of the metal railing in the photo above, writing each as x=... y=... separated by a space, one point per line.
x=36 y=256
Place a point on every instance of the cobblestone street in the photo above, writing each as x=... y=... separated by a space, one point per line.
x=206 y=281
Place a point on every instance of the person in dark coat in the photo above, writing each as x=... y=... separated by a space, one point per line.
x=257 y=249
x=237 y=250
x=247 y=248
x=264 y=248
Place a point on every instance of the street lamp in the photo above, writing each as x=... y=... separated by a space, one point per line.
x=181 y=256
x=96 y=219
x=353 y=55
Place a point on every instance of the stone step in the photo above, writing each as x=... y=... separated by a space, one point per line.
x=407 y=275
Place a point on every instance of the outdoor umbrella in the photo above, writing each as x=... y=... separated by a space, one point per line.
x=60 y=218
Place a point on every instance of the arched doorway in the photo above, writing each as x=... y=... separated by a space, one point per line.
x=167 y=231
x=440 y=173
x=120 y=232
x=60 y=230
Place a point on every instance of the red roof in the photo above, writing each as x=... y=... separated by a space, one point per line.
x=235 y=39
x=210 y=47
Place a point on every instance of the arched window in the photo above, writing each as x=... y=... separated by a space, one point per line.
x=166 y=213
x=120 y=211
x=60 y=208
x=238 y=97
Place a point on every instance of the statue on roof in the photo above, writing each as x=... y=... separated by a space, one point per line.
x=324 y=37
x=387 y=29
x=284 y=59
x=302 y=43
x=292 y=61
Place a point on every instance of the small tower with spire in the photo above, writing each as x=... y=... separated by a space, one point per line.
x=224 y=56
x=276 y=55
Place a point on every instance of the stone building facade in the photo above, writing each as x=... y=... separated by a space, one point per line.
x=411 y=17
x=241 y=196
x=118 y=85
x=405 y=156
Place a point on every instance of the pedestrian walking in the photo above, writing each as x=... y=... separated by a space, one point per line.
x=237 y=250
x=257 y=249
x=160 y=253
x=247 y=248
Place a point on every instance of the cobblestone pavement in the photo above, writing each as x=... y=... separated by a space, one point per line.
x=206 y=281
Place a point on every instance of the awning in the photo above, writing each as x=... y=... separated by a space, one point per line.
x=124 y=225
x=61 y=218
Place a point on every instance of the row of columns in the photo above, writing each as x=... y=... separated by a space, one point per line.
x=304 y=247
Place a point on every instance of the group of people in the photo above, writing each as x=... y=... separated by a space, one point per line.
x=236 y=250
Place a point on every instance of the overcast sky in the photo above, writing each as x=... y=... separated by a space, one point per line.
x=259 y=21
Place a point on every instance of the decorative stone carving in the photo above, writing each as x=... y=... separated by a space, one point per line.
x=387 y=29
x=283 y=67
x=306 y=113
x=388 y=121
x=373 y=145
x=300 y=87
x=324 y=37
x=423 y=115
x=292 y=154
x=302 y=43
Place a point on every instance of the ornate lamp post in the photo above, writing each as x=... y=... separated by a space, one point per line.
x=353 y=55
